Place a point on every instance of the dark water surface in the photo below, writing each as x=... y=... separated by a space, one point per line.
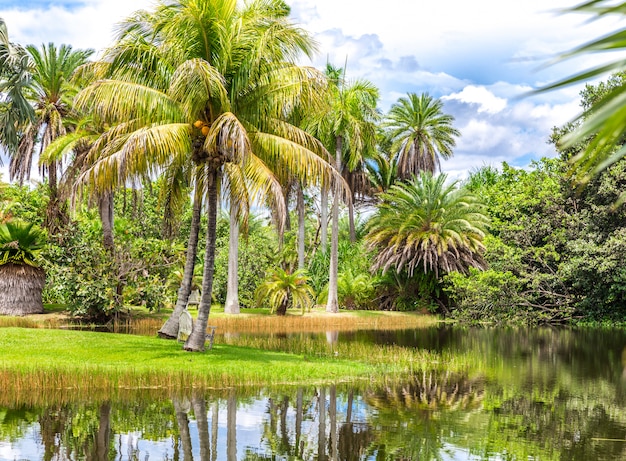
x=541 y=394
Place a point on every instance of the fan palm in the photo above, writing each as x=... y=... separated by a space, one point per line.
x=283 y=290
x=420 y=133
x=427 y=225
x=21 y=278
x=207 y=82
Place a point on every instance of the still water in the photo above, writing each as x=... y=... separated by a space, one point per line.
x=541 y=394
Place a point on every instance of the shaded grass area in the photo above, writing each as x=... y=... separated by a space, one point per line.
x=61 y=359
x=140 y=321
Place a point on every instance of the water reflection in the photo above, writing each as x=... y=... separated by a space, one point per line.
x=544 y=394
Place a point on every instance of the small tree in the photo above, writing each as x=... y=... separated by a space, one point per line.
x=283 y=290
x=21 y=278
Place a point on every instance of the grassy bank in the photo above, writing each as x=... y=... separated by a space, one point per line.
x=63 y=359
x=143 y=322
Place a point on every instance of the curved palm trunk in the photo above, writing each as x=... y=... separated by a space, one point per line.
x=300 y=206
x=232 y=287
x=195 y=342
x=324 y=218
x=169 y=330
x=333 y=302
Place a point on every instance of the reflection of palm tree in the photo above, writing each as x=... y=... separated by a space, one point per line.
x=183 y=427
x=200 y=412
x=321 y=422
x=231 y=427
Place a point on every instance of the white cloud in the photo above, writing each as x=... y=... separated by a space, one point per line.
x=480 y=57
x=485 y=99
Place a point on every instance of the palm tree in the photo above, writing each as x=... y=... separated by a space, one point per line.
x=283 y=290
x=420 y=133
x=347 y=127
x=50 y=92
x=428 y=226
x=15 y=78
x=21 y=277
x=601 y=127
x=225 y=81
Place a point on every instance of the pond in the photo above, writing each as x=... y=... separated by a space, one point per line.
x=541 y=394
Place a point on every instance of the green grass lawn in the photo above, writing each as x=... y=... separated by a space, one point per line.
x=77 y=359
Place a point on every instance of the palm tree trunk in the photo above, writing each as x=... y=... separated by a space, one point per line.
x=300 y=206
x=351 y=219
x=169 y=330
x=214 y=428
x=282 y=308
x=105 y=207
x=231 y=427
x=333 y=302
x=299 y=406
x=195 y=342
x=183 y=429
x=332 y=412
x=324 y=218
x=200 y=411
x=232 y=286
x=321 y=438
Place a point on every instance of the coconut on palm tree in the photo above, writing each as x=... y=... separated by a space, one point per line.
x=224 y=83
x=420 y=133
x=427 y=226
x=21 y=277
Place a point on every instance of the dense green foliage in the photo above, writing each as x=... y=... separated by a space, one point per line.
x=542 y=244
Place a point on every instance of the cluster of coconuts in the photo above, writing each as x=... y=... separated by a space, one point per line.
x=215 y=159
x=203 y=127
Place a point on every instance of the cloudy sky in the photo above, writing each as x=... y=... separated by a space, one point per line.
x=480 y=57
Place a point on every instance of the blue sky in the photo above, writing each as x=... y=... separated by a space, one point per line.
x=479 y=57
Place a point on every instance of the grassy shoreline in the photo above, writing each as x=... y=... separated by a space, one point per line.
x=66 y=359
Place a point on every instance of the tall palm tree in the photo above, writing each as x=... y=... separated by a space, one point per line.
x=222 y=105
x=347 y=127
x=429 y=226
x=15 y=79
x=420 y=133
x=51 y=93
